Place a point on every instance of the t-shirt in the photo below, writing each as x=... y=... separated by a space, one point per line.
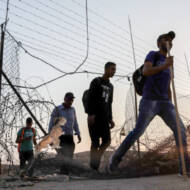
x=27 y=145
x=100 y=98
x=156 y=86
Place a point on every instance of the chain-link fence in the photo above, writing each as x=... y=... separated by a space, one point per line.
x=57 y=33
x=13 y=113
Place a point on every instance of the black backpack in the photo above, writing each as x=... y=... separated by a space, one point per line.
x=138 y=77
x=85 y=98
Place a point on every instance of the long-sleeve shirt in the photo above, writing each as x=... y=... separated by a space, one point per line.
x=70 y=115
x=100 y=98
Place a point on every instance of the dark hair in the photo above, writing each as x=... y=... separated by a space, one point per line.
x=170 y=34
x=69 y=95
x=29 y=120
x=109 y=64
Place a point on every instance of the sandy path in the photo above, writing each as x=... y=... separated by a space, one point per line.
x=170 y=182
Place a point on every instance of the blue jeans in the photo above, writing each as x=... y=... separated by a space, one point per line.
x=148 y=109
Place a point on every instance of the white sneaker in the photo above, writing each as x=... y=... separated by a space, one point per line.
x=181 y=175
x=112 y=165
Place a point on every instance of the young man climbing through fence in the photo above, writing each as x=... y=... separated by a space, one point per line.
x=99 y=111
x=26 y=137
x=156 y=100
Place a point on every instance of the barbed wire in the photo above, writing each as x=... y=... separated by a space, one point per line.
x=64 y=73
x=42 y=18
x=13 y=111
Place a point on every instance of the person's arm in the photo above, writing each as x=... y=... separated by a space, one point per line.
x=18 y=140
x=76 y=127
x=34 y=141
x=34 y=138
x=52 y=120
x=149 y=70
x=112 y=124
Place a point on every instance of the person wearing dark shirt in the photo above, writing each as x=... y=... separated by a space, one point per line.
x=156 y=100
x=100 y=119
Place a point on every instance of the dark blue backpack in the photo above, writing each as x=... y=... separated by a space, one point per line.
x=85 y=100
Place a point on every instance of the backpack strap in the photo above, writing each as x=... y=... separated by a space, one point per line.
x=21 y=138
x=22 y=134
x=57 y=115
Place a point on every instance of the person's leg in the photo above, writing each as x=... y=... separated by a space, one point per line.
x=168 y=114
x=62 y=145
x=67 y=150
x=72 y=147
x=30 y=159
x=95 y=144
x=68 y=146
x=22 y=159
x=106 y=138
x=147 y=110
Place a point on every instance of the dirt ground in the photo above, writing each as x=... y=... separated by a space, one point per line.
x=169 y=182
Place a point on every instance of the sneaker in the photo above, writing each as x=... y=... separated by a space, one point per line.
x=112 y=165
x=181 y=175
x=108 y=169
x=94 y=168
x=94 y=164
x=22 y=173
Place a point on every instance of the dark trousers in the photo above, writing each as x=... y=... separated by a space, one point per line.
x=148 y=109
x=67 y=150
x=26 y=156
x=99 y=131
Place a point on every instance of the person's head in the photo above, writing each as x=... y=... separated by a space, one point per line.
x=29 y=122
x=109 y=69
x=162 y=39
x=69 y=98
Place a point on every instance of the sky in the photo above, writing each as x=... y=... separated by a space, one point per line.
x=55 y=31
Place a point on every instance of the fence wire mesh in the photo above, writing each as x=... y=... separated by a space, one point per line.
x=57 y=33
